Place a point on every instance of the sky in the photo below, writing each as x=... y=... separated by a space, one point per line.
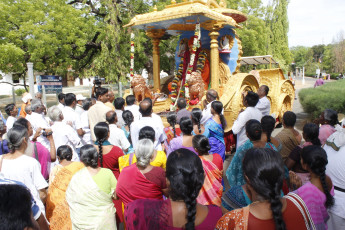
x=314 y=22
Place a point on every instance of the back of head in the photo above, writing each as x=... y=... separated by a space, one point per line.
x=181 y=103
x=2 y=125
x=100 y=92
x=22 y=122
x=54 y=113
x=28 y=109
x=9 y=108
x=101 y=131
x=87 y=103
x=289 y=119
x=186 y=125
x=128 y=117
x=111 y=117
x=201 y=144
x=35 y=103
x=264 y=171
x=211 y=95
x=69 y=99
x=119 y=103
x=217 y=106
x=331 y=116
x=266 y=89
x=196 y=117
x=61 y=96
x=16 y=136
x=64 y=152
x=145 y=108
x=311 y=133
x=89 y=156
x=253 y=129
x=267 y=124
x=147 y=132
x=316 y=159
x=144 y=152
x=15 y=207
x=130 y=100
x=252 y=98
x=186 y=176
x=171 y=119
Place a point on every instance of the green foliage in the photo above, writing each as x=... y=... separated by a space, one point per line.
x=330 y=95
x=19 y=92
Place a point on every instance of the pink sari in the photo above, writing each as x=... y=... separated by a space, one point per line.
x=43 y=156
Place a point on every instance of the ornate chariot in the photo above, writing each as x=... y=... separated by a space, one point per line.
x=210 y=27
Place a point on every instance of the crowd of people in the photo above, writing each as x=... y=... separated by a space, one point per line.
x=111 y=163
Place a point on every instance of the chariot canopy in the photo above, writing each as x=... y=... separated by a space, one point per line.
x=177 y=18
x=258 y=60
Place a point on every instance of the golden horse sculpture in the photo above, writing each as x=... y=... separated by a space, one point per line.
x=140 y=88
x=196 y=86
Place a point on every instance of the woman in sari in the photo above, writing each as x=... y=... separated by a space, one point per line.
x=211 y=191
x=318 y=193
x=90 y=193
x=36 y=150
x=108 y=157
x=159 y=159
x=64 y=154
x=216 y=126
x=141 y=180
x=185 y=140
x=234 y=173
x=57 y=209
x=264 y=173
x=185 y=176
x=128 y=118
x=267 y=124
x=198 y=128
x=293 y=162
x=173 y=130
x=328 y=120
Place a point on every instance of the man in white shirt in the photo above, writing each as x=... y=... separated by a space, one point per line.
x=117 y=136
x=61 y=98
x=84 y=120
x=70 y=116
x=97 y=112
x=79 y=108
x=211 y=96
x=239 y=127
x=119 y=104
x=264 y=105
x=38 y=120
x=148 y=120
x=132 y=106
x=12 y=111
x=63 y=134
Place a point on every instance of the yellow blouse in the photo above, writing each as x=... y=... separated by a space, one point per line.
x=159 y=161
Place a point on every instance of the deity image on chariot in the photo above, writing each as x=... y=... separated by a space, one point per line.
x=208 y=56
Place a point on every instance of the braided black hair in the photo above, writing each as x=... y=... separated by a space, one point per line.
x=186 y=176
x=186 y=125
x=267 y=124
x=316 y=158
x=311 y=133
x=196 y=117
x=128 y=118
x=253 y=129
x=217 y=106
x=101 y=130
x=89 y=156
x=264 y=171
x=171 y=119
x=201 y=144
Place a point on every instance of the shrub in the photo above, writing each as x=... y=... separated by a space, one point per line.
x=19 y=92
x=328 y=96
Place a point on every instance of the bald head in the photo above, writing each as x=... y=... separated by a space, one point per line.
x=111 y=117
x=145 y=108
x=211 y=95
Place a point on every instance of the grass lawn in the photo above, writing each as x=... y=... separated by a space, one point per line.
x=328 y=96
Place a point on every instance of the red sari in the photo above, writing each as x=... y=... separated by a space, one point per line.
x=132 y=185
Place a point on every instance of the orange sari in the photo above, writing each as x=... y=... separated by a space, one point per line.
x=236 y=219
x=212 y=189
x=57 y=209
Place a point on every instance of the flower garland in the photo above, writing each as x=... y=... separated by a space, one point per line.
x=132 y=56
x=184 y=88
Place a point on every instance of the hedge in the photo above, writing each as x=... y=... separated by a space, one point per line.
x=328 y=96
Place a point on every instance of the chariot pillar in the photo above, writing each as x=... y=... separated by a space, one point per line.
x=155 y=36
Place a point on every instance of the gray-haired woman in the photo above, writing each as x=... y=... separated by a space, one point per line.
x=142 y=180
x=19 y=167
